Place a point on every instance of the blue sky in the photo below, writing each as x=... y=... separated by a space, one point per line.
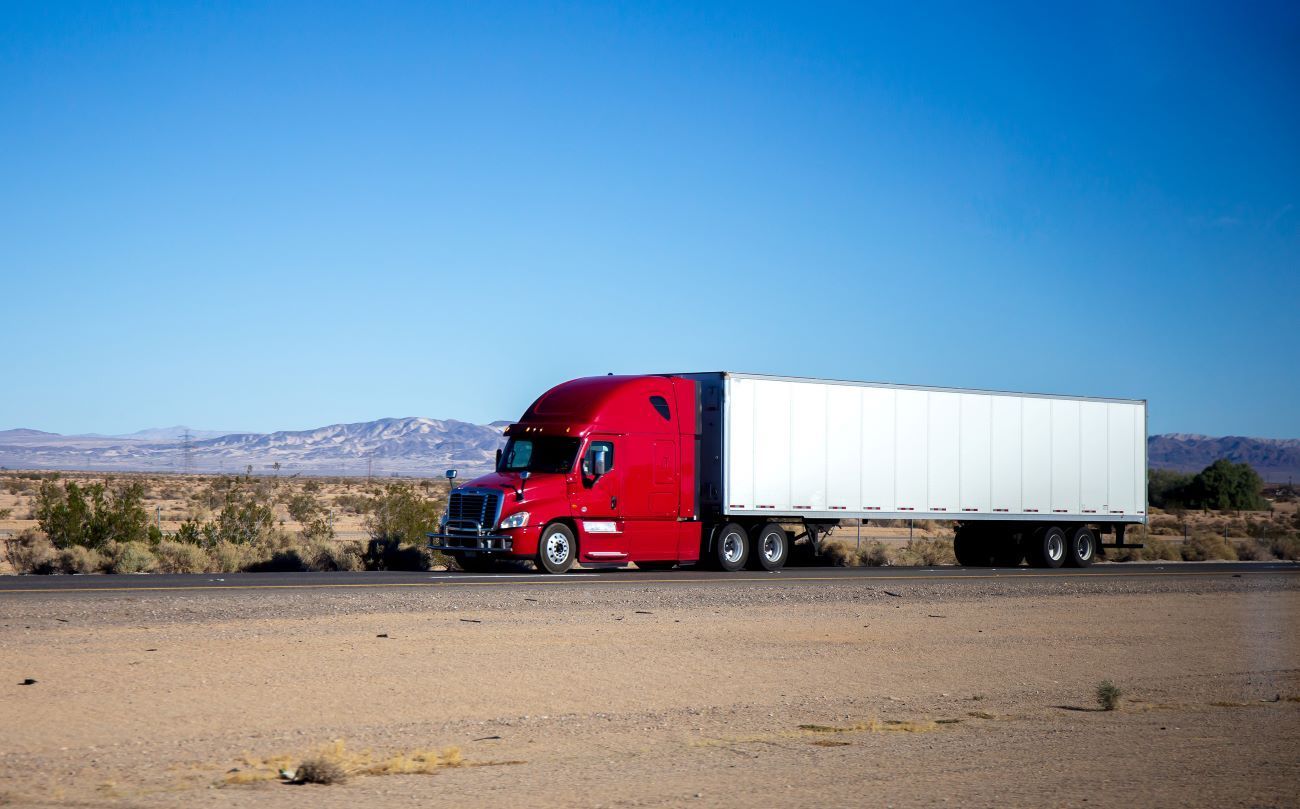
x=278 y=216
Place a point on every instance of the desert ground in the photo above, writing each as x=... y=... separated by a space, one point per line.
x=510 y=692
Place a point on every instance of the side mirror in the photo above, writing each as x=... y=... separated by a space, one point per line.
x=451 y=474
x=599 y=462
x=498 y=457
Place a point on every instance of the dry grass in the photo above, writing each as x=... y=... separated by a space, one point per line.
x=915 y=552
x=334 y=763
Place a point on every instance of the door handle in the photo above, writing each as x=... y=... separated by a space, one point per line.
x=613 y=502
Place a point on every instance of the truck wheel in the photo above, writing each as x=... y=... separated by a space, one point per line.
x=731 y=548
x=971 y=547
x=770 y=549
x=1047 y=547
x=1083 y=548
x=557 y=549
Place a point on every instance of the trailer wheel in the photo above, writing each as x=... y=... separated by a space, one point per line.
x=971 y=547
x=557 y=549
x=731 y=548
x=771 y=548
x=1047 y=547
x=1083 y=548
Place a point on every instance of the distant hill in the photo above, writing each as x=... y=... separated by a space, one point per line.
x=1277 y=460
x=407 y=446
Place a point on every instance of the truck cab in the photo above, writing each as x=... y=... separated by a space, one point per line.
x=600 y=470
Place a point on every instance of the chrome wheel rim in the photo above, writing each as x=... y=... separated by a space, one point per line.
x=771 y=546
x=557 y=548
x=1084 y=548
x=732 y=546
x=1055 y=547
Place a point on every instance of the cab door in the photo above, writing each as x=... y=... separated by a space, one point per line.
x=594 y=499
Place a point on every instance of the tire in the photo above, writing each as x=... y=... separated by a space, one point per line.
x=1082 y=550
x=475 y=564
x=557 y=549
x=771 y=548
x=731 y=547
x=656 y=565
x=1047 y=547
x=971 y=547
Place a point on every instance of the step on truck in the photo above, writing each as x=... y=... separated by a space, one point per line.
x=730 y=469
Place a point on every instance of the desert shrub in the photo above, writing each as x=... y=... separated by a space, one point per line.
x=1252 y=550
x=6 y=513
x=228 y=557
x=400 y=512
x=181 y=557
x=129 y=557
x=1165 y=525
x=1204 y=547
x=386 y=553
x=320 y=770
x=1285 y=548
x=245 y=518
x=341 y=556
x=840 y=554
x=927 y=552
x=325 y=555
x=77 y=559
x=875 y=554
x=1108 y=695
x=355 y=503
x=91 y=516
x=1153 y=550
x=311 y=487
x=31 y=552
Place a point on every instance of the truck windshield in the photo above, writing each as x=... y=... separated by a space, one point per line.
x=539 y=454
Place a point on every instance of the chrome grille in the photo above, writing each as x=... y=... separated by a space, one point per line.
x=472 y=511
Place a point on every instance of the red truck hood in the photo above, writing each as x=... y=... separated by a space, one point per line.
x=539 y=487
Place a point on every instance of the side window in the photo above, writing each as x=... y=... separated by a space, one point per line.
x=589 y=459
x=660 y=405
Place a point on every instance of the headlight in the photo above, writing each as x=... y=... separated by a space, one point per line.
x=517 y=520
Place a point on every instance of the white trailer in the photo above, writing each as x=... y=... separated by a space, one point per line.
x=1031 y=475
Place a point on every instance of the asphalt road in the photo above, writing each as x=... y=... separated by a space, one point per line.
x=18 y=586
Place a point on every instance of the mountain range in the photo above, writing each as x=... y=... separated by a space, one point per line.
x=425 y=447
x=407 y=446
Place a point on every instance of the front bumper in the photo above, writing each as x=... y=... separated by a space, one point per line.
x=487 y=543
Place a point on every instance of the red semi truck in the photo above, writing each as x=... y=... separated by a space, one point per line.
x=729 y=469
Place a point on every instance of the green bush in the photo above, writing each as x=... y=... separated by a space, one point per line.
x=386 y=553
x=1108 y=695
x=875 y=554
x=91 y=516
